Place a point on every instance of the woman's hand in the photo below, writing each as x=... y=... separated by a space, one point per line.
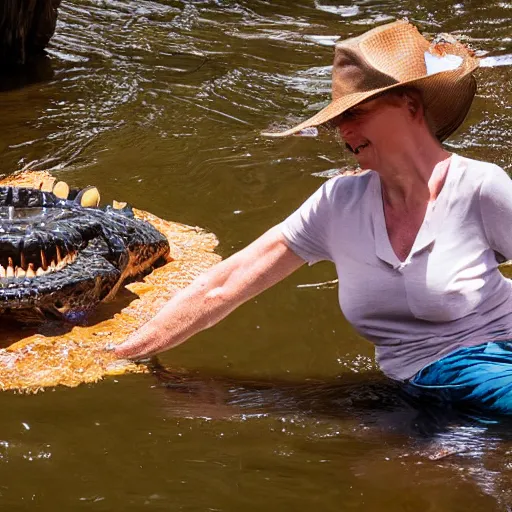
x=149 y=339
x=214 y=294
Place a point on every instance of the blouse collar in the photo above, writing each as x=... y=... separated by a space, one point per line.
x=429 y=228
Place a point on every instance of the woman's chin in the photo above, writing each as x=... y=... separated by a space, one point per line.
x=364 y=159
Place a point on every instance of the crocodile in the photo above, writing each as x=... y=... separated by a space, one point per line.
x=59 y=258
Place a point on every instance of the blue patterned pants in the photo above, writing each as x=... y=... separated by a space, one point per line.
x=476 y=378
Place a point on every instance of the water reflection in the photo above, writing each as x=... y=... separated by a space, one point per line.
x=362 y=407
x=369 y=398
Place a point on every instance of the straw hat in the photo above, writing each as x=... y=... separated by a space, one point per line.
x=395 y=55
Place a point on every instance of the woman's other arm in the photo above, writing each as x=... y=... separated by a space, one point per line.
x=496 y=209
x=214 y=294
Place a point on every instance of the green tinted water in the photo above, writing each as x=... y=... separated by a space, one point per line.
x=160 y=104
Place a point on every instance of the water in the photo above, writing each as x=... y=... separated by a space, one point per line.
x=279 y=407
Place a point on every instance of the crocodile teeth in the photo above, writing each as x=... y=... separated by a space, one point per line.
x=43 y=260
x=25 y=269
x=9 y=271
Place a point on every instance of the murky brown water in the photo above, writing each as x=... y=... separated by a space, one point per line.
x=161 y=104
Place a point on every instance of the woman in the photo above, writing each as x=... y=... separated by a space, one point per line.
x=415 y=239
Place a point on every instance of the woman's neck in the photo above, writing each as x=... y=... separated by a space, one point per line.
x=414 y=175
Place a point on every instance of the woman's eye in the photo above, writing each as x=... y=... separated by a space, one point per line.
x=353 y=113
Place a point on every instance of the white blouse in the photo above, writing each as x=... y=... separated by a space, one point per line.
x=447 y=294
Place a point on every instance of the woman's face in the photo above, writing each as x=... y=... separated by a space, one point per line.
x=375 y=130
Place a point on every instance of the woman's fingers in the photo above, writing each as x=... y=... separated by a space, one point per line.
x=140 y=344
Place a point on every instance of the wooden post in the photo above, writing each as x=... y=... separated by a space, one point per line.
x=26 y=27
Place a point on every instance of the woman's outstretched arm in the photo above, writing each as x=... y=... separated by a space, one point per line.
x=214 y=294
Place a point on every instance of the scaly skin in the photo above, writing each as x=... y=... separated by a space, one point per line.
x=59 y=259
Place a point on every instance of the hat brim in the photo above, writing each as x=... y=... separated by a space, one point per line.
x=447 y=97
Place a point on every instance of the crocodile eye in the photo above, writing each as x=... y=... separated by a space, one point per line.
x=61 y=190
x=88 y=197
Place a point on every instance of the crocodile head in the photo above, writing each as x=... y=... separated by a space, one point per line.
x=59 y=259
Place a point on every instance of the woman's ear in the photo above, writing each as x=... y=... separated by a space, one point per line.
x=413 y=103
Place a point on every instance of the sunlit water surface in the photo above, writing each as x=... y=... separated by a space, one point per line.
x=280 y=408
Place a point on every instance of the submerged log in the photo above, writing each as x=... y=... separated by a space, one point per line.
x=26 y=27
